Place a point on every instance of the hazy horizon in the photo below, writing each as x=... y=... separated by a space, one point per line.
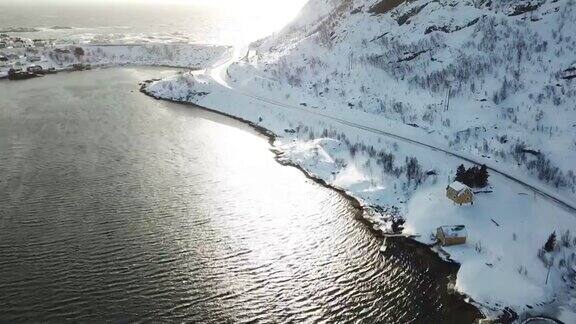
x=205 y=21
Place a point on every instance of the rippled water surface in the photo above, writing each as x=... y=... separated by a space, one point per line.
x=118 y=207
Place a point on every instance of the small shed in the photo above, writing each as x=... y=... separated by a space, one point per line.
x=460 y=193
x=451 y=235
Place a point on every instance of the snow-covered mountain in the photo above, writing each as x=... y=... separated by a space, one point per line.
x=491 y=78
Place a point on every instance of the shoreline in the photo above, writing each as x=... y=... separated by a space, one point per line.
x=451 y=265
x=70 y=69
x=504 y=314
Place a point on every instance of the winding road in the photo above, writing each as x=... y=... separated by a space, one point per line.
x=219 y=72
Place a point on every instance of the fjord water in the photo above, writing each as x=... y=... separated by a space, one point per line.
x=117 y=207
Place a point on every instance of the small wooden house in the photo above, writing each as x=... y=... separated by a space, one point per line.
x=451 y=235
x=460 y=193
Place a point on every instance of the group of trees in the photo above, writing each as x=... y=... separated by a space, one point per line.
x=475 y=177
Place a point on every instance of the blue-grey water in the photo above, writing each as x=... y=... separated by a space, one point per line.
x=119 y=208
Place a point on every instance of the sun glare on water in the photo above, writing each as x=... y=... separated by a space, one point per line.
x=258 y=17
x=254 y=18
x=237 y=21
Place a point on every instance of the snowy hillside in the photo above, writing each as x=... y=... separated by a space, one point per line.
x=490 y=78
x=386 y=98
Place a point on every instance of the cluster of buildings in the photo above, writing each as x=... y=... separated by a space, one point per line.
x=20 y=56
x=30 y=72
x=460 y=194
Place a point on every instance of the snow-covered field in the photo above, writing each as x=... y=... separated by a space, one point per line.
x=333 y=84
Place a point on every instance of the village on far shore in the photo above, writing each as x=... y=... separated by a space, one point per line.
x=21 y=58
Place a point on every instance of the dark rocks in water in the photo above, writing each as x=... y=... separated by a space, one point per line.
x=390 y=214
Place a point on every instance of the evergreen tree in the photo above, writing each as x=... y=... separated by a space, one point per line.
x=483 y=176
x=78 y=52
x=550 y=243
x=461 y=173
x=471 y=173
x=474 y=177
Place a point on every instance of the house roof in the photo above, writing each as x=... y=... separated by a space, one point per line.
x=454 y=231
x=458 y=186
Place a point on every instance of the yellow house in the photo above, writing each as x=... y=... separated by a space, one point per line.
x=460 y=193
